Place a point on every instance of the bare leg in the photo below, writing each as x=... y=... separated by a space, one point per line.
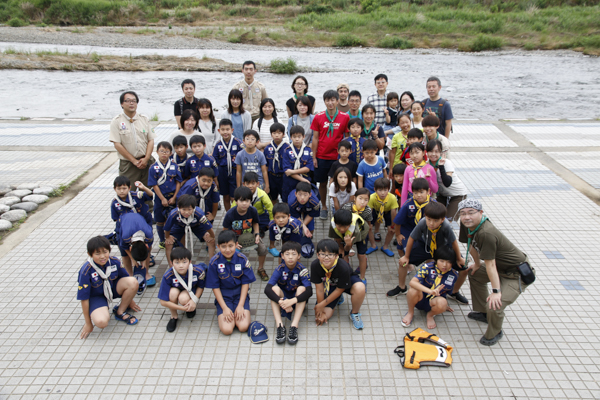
x=438 y=306
x=226 y=327
x=388 y=238
x=462 y=277
x=245 y=322
x=357 y=296
x=362 y=265
x=402 y=274
x=100 y=317
x=227 y=202
x=299 y=308
x=413 y=296
x=275 y=306
x=323 y=193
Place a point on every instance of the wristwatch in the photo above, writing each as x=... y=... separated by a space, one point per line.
x=495 y=290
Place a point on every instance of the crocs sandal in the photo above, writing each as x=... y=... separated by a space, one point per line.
x=127 y=318
x=352 y=253
x=151 y=282
x=492 y=341
x=370 y=250
x=152 y=262
x=406 y=325
x=387 y=252
x=263 y=275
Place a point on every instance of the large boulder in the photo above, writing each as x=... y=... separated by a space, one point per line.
x=14 y=215
x=10 y=200
x=19 y=193
x=36 y=198
x=28 y=206
x=28 y=186
x=4 y=189
x=45 y=190
x=4 y=208
x=5 y=225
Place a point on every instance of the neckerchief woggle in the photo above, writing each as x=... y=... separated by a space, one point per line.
x=163 y=177
x=328 y=272
x=228 y=150
x=331 y=127
x=419 y=213
x=190 y=282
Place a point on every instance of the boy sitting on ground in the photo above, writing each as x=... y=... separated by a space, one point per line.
x=428 y=290
x=289 y=288
x=101 y=280
x=181 y=286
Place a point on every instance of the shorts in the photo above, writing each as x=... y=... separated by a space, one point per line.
x=387 y=217
x=418 y=255
x=288 y=185
x=406 y=234
x=178 y=232
x=353 y=279
x=423 y=304
x=227 y=184
x=361 y=248
x=321 y=173
x=232 y=302
x=97 y=302
x=276 y=187
x=161 y=212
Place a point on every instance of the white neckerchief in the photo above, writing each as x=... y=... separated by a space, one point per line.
x=163 y=177
x=276 y=156
x=105 y=280
x=129 y=205
x=189 y=239
x=181 y=164
x=189 y=284
x=298 y=155
x=228 y=150
x=202 y=193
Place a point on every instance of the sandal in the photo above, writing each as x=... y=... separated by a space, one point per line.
x=377 y=236
x=116 y=308
x=127 y=318
x=152 y=263
x=263 y=275
x=406 y=325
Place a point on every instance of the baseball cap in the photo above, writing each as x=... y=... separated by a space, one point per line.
x=258 y=332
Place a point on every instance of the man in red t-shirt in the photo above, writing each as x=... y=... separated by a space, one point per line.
x=329 y=128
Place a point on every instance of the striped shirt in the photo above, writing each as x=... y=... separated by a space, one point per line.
x=380 y=103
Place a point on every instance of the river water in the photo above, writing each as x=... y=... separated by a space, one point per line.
x=487 y=86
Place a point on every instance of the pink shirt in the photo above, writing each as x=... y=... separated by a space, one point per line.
x=409 y=177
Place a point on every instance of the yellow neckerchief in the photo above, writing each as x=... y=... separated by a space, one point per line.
x=433 y=245
x=438 y=279
x=417 y=167
x=420 y=207
x=355 y=209
x=328 y=275
x=356 y=219
x=381 y=207
x=358 y=152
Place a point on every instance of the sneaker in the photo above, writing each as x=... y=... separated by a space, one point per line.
x=365 y=282
x=293 y=335
x=161 y=245
x=341 y=300
x=356 y=321
x=280 y=338
x=263 y=275
x=274 y=252
x=172 y=325
x=324 y=214
x=459 y=298
x=397 y=291
x=478 y=316
x=190 y=314
x=492 y=341
x=377 y=237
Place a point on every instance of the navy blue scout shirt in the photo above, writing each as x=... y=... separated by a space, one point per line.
x=169 y=280
x=312 y=206
x=272 y=166
x=180 y=162
x=428 y=273
x=90 y=283
x=357 y=154
x=192 y=187
x=193 y=165
x=406 y=217
x=289 y=280
x=306 y=159
x=173 y=176
x=220 y=152
x=174 y=220
x=129 y=224
x=139 y=200
x=229 y=275
x=290 y=232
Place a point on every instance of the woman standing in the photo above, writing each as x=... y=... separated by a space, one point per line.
x=189 y=122
x=304 y=118
x=406 y=100
x=300 y=87
x=267 y=117
x=240 y=118
x=417 y=114
x=207 y=124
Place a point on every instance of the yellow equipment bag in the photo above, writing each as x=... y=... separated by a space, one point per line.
x=414 y=353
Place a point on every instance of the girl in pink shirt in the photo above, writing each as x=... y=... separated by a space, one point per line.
x=419 y=169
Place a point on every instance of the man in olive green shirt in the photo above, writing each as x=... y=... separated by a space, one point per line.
x=500 y=261
x=253 y=92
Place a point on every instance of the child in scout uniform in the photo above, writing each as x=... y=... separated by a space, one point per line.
x=199 y=160
x=165 y=180
x=274 y=153
x=289 y=288
x=224 y=154
x=205 y=191
x=384 y=206
x=305 y=206
x=283 y=227
x=180 y=155
x=181 y=286
x=101 y=280
x=230 y=275
x=135 y=241
x=297 y=162
x=126 y=201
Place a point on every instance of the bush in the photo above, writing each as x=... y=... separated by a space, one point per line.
x=281 y=66
x=347 y=40
x=318 y=9
x=368 y=6
x=390 y=42
x=485 y=42
x=16 y=22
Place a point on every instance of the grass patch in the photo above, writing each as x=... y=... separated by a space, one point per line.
x=485 y=42
x=395 y=43
x=145 y=31
x=349 y=40
x=59 y=191
x=281 y=66
x=154 y=116
x=67 y=67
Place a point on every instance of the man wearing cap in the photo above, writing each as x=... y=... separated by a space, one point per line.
x=133 y=137
x=343 y=90
x=501 y=260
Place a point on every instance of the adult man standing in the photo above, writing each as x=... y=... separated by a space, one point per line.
x=435 y=105
x=133 y=137
x=188 y=101
x=343 y=90
x=253 y=92
x=379 y=99
x=501 y=260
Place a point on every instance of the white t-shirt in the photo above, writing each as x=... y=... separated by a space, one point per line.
x=188 y=137
x=206 y=128
x=342 y=196
x=265 y=129
x=457 y=188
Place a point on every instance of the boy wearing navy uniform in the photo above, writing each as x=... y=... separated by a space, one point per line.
x=289 y=288
x=297 y=162
x=187 y=219
x=229 y=275
x=180 y=155
x=165 y=180
x=429 y=288
x=304 y=205
x=356 y=126
x=274 y=153
x=181 y=286
x=283 y=227
x=135 y=241
x=205 y=191
x=101 y=280
x=199 y=160
x=126 y=200
x=224 y=154
x=333 y=277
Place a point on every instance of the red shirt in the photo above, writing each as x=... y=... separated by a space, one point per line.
x=328 y=146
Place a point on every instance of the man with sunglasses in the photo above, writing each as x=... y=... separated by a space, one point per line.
x=133 y=137
x=501 y=260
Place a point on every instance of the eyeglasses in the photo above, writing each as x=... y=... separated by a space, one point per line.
x=326 y=255
x=300 y=84
x=164 y=151
x=469 y=213
x=131 y=101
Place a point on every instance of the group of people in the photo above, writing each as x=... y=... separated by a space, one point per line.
x=382 y=166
